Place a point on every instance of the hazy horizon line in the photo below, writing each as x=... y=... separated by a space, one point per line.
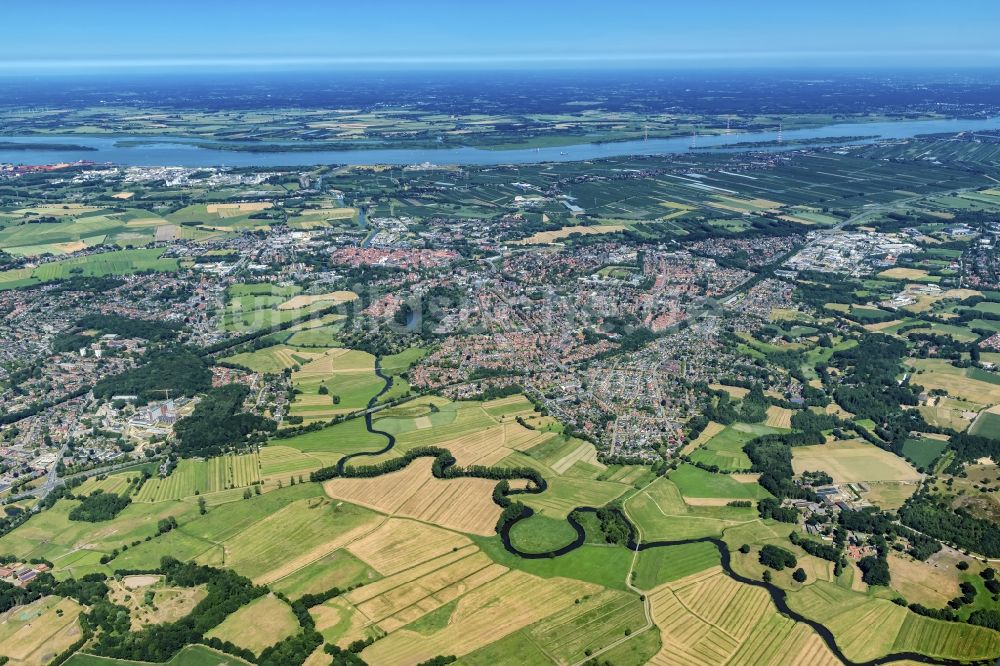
x=793 y=59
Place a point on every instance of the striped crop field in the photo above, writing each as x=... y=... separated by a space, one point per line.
x=203 y=476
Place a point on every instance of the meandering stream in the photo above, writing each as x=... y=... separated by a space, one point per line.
x=778 y=595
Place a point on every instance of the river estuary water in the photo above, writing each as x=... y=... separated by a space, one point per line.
x=167 y=151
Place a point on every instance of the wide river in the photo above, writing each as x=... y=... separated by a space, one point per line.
x=169 y=151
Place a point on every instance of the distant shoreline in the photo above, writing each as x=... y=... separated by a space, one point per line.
x=14 y=145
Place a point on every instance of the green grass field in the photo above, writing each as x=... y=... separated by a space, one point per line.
x=255 y=537
x=923 y=451
x=342 y=438
x=867 y=627
x=202 y=477
x=272 y=360
x=987 y=425
x=540 y=534
x=604 y=565
x=76 y=547
x=571 y=634
x=338 y=569
x=725 y=450
x=660 y=512
x=119 y=262
x=565 y=493
x=347 y=377
x=395 y=364
x=663 y=565
x=318 y=336
x=695 y=482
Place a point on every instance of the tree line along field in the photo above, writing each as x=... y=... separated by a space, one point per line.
x=191 y=655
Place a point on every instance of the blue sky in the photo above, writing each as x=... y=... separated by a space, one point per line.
x=69 y=34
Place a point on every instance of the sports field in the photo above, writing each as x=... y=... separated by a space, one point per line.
x=911 y=274
x=853 y=460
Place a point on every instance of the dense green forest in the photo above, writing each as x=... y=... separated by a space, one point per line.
x=218 y=423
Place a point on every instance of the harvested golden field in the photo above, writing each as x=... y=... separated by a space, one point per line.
x=488 y=445
x=483 y=616
x=899 y=273
x=926 y=301
x=733 y=391
x=123 y=195
x=922 y=582
x=851 y=461
x=167 y=232
x=880 y=325
x=33 y=635
x=940 y=374
x=330 y=298
x=708 y=618
x=230 y=209
x=400 y=544
x=549 y=237
x=584 y=452
x=710 y=431
x=464 y=504
x=258 y=625
x=778 y=417
x=402 y=599
x=889 y=495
